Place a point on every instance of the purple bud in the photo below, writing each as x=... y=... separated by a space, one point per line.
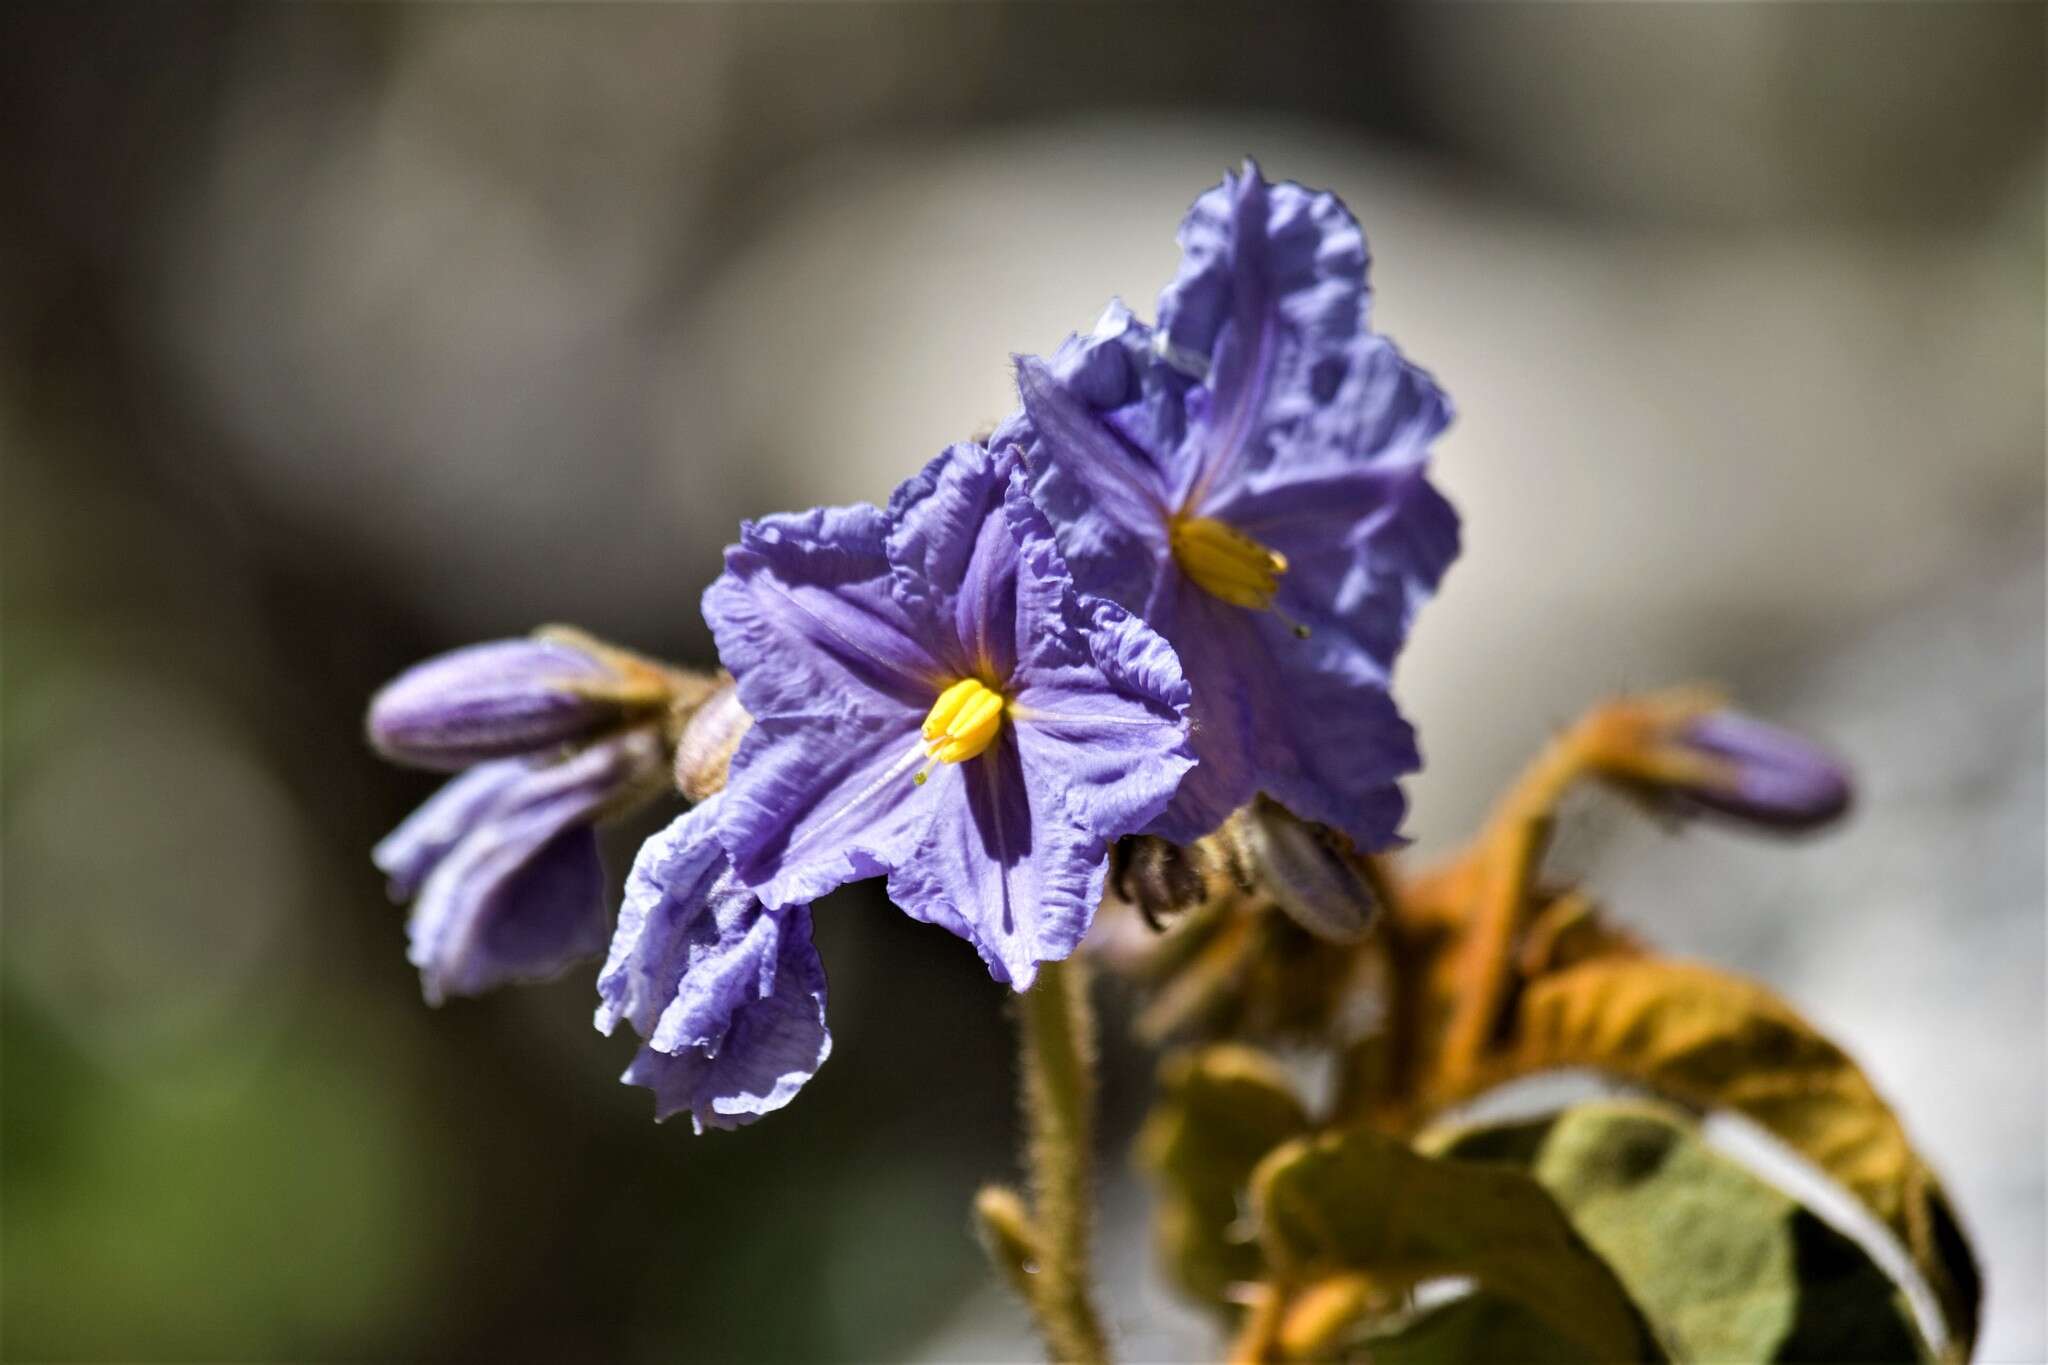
x=497 y=700
x=1768 y=776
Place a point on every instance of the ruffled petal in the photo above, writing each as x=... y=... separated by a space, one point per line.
x=1272 y=289
x=813 y=803
x=1005 y=867
x=1116 y=375
x=836 y=664
x=729 y=995
x=775 y=1044
x=1099 y=701
x=945 y=543
x=1307 y=721
x=1249 y=248
x=807 y=621
x=1093 y=452
x=680 y=882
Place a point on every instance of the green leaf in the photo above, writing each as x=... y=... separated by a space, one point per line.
x=1710 y=1040
x=1727 y=1266
x=1478 y=1327
x=1358 y=1201
x=1220 y=1111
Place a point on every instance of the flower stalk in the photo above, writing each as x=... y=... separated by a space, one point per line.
x=1057 y=1055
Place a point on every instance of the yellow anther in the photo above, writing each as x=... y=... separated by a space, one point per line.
x=964 y=721
x=1225 y=562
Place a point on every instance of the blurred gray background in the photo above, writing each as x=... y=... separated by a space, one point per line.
x=333 y=336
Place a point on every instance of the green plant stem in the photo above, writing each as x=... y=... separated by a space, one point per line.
x=1057 y=1052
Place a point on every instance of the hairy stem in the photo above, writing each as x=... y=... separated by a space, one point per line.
x=1057 y=1043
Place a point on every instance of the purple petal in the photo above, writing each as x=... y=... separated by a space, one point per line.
x=729 y=996
x=1100 y=704
x=1373 y=435
x=489 y=701
x=1271 y=289
x=1363 y=582
x=815 y=802
x=552 y=913
x=774 y=1044
x=408 y=853
x=1003 y=866
x=518 y=863
x=1306 y=721
x=808 y=624
x=1090 y=451
x=1116 y=374
x=680 y=884
x=505 y=911
x=1247 y=246
x=944 y=539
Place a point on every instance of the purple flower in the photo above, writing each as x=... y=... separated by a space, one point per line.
x=933 y=703
x=1758 y=773
x=1250 y=479
x=510 y=697
x=729 y=995
x=501 y=864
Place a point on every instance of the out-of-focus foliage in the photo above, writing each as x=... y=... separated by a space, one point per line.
x=1609 y=1233
x=1220 y=1112
x=1727 y=1267
x=250 y=1205
x=1360 y=1205
x=1478 y=1326
x=1716 y=1042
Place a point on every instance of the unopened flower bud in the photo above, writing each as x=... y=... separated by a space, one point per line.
x=708 y=740
x=507 y=698
x=1309 y=872
x=1761 y=774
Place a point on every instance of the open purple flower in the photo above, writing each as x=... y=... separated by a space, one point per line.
x=728 y=995
x=1250 y=479
x=933 y=703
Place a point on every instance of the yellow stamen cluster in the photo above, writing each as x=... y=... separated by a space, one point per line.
x=1225 y=562
x=964 y=721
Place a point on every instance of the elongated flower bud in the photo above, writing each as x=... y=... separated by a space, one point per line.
x=1761 y=774
x=507 y=698
x=1306 y=870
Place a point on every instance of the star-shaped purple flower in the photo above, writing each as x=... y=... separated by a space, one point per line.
x=934 y=703
x=1250 y=479
x=728 y=994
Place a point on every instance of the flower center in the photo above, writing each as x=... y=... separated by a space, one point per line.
x=1225 y=562
x=964 y=721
